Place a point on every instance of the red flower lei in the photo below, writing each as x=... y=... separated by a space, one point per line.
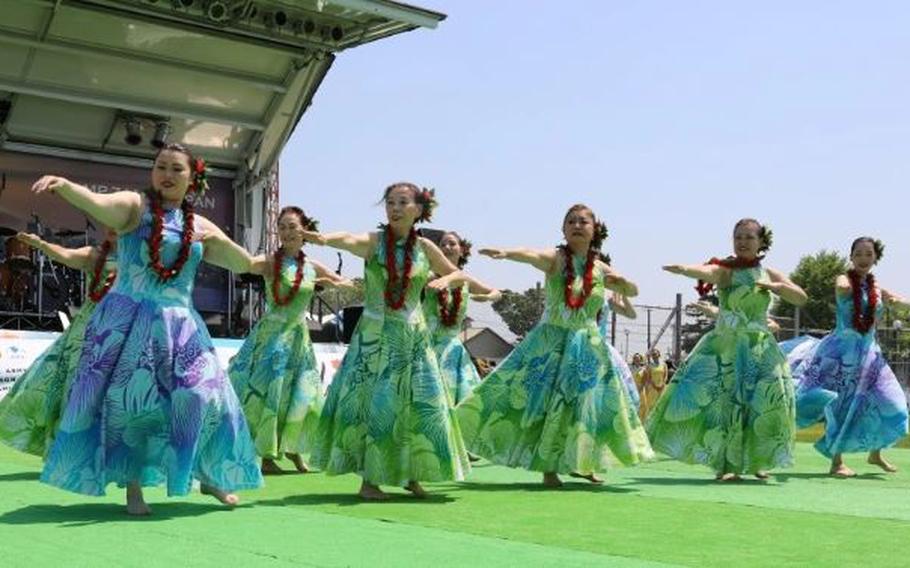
x=95 y=293
x=156 y=236
x=572 y=301
x=448 y=315
x=276 y=278
x=863 y=320
x=732 y=262
x=393 y=301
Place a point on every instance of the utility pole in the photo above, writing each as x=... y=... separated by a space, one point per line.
x=649 y=329
x=677 y=328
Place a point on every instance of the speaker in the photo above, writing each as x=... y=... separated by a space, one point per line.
x=349 y=318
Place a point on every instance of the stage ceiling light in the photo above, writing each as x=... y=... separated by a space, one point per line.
x=217 y=11
x=133 y=131
x=162 y=130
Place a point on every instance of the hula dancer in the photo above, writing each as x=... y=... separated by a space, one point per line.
x=730 y=405
x=387 y=415
x=847 y=382
x=445 y=311
x=150 y=404
x=275 y=373
x=557 y=404
x=622 y=306
x=30 y=411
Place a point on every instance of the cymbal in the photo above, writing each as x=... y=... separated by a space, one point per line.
x=69 y=233
x=20 y=263
x=7 y=232
x=250 y=279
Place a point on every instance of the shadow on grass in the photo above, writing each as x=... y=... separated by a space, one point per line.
x=352 y=499
x=674 y=481
x=98 y=513
x=21 y=476
x=877 y=476
x=537 y=487
x=749 y=480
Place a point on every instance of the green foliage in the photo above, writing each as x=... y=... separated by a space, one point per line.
x=520 y=311
x=340 y=298
x=816 y=275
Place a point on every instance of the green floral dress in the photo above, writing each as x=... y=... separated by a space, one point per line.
x=458 y=370
x=387 y=415
x=30 y=412
x=275 y=373
x=557 y=403
x=731 y=404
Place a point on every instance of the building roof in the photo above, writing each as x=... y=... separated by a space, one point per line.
x=473 y=332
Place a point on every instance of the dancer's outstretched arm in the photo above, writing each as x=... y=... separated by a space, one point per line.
x=613 y=280
x=449 y=274
x=357 y=244
x=707 y=272
x=480 y=292
x=261 y=265
x=707 y=309
x=221 y=251
x=326 y=277
x=711 y=311
x=119 y=211
x=541 y=259
x=893 y=299
x=622 y=306
x=79 y=258
x=785 y=288
x=842 y=285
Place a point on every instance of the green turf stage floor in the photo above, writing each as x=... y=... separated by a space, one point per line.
x=660 y=514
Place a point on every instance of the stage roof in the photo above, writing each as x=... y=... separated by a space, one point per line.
x=231 y=78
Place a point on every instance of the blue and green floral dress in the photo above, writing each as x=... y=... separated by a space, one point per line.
x=150 y=402
x=557 y=403
x=388 y=415
x=730 y=405
x=275 y=373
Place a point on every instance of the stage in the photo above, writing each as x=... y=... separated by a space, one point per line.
x=660 y=514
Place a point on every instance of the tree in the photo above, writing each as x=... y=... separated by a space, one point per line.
x=816 y=275
x=520 y=311
x=343 y=297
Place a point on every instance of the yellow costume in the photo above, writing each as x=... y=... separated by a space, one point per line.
x=650 y=380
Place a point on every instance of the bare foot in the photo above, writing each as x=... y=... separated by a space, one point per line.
x=842 y=471
x=763 y=475
x=269 y=467
x=415 y=488
x=229 y=499
x=589 y=476
x=875 y=458
x=551 y=480
x=728 y=477
x=298 y=462
x=370 y=492
x=135 y=503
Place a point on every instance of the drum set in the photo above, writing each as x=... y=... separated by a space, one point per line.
x=33 y=284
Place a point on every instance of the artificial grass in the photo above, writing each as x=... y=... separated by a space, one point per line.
x=660 y=513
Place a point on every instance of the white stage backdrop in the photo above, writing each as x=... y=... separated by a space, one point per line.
x=18 y=349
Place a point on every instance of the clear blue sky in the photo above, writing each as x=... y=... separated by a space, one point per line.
x=671 y=119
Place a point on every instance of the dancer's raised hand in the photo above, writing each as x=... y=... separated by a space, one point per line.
x=492 y=297
x=498 y=254
x=31 y=240
x=774 y=287
x=314 y=237
x=49 y=184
